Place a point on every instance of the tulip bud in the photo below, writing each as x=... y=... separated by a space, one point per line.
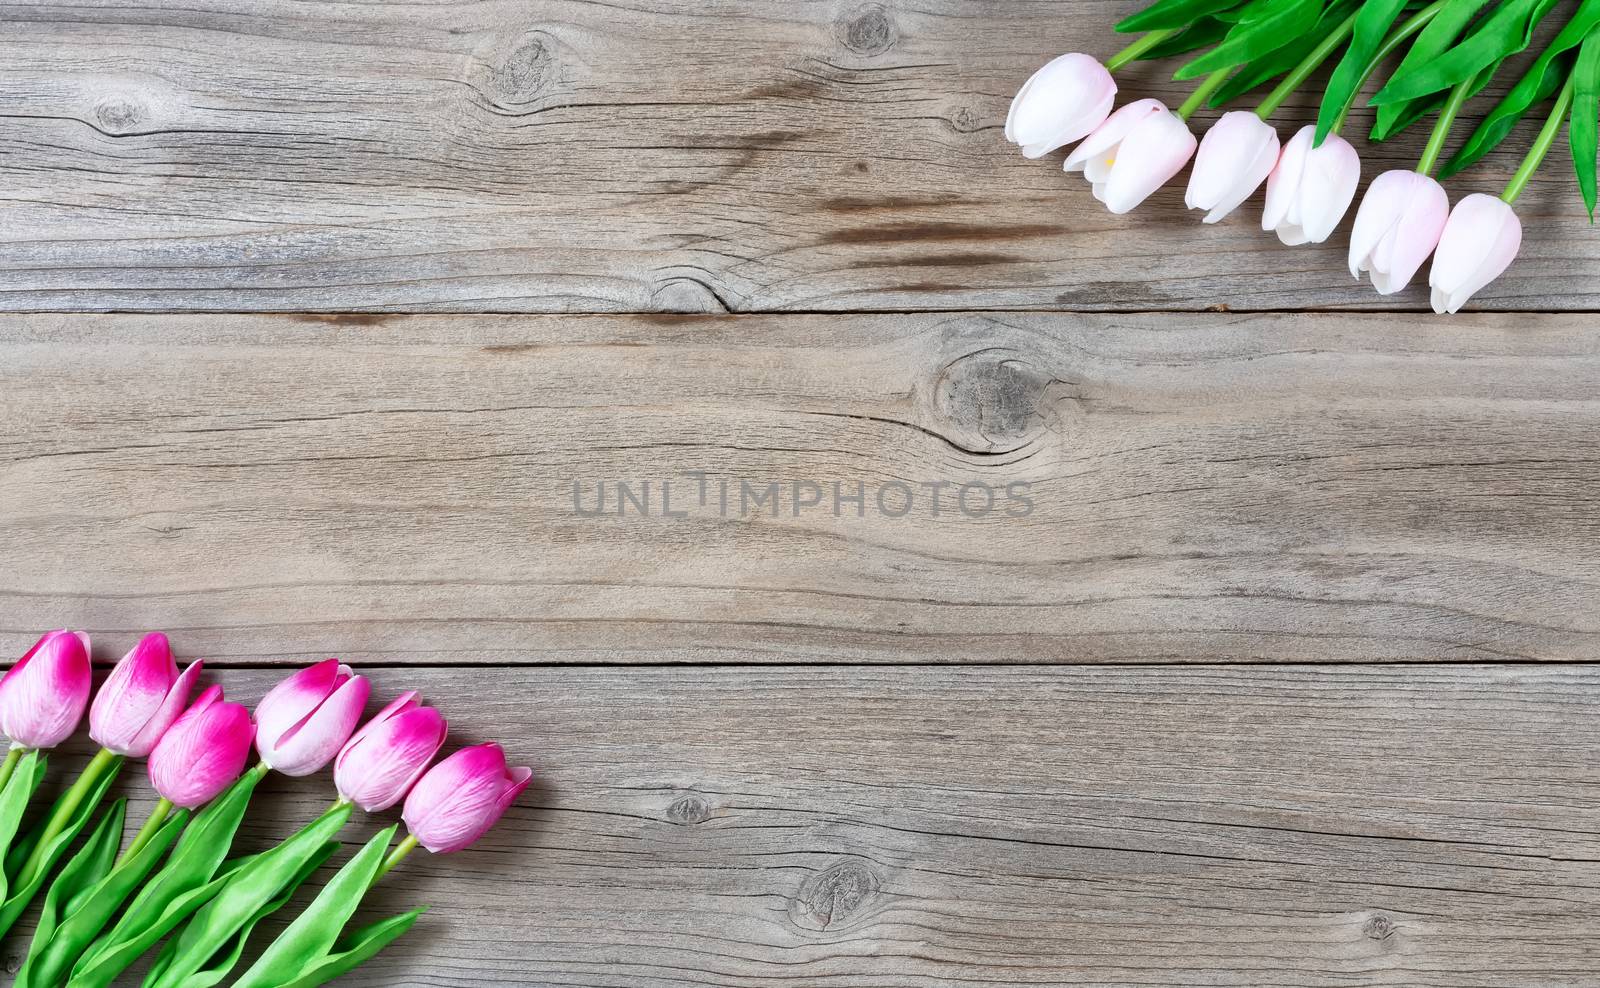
x=1135 y=152
x=461 y=797
x=384 y=759
x=141 y=698
x=203 y=751
x=1397 y=227
x=1311 y=188
x=42 y=697
x=1235 y=157
x=1059 y=104
x=1480 y=241
x=303 y=721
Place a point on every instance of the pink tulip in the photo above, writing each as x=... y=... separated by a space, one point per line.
x=1311 y=188
x=1059 y=104
x=203 y=751
x=384 y=759
x=42 y=697
x=462 y=797
x=1235 y=157
x=1397 y=227
x=303 y=721
x=141 y=698
x=1135 y=152
x=1480 y=241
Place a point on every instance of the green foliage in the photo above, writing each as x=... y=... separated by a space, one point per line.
x=71 y=814
x=1372 y=24
x=1504 y=33
x=1542 y=79
x=1439 y=34
x=307 y=953
x=1264 y=26
x=211 y=941
x=1170 y=15
x=1581 y=134
x=14 y=799
x=193 y=874
x=1274 y=64
x=1203 y=33
x=64 y=935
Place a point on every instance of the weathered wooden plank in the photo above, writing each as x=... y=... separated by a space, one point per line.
x=899 y=827
x=657 y=155
x=1324 y=488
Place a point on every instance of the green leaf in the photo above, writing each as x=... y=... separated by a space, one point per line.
x=1203 y=33
x=226 y=956
x=1264 y=26
x=1274 y=64
x=355 y=950
x=307 y=941
x=24 y=782
x=25 y=886
x=1504 y=33
x=1372 y=24
x=1168 y=15
x=249 y=888
x=1544 y=77
x=54 y=951
x=1409 y=113
x=1439 y=33
x=189 y=878
x=78 y=876
x=1581 y=129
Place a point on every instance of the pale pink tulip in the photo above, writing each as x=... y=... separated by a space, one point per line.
x=303 y=721
x=42 y=697
x=1311 y=188
x=384 y=759
x=1397 y=227
x=1060 y=104
x=141 y=698
x=1235 y=157
x=203 y=751
x=1480 y=241
x=461 y=797
x=1136 y=151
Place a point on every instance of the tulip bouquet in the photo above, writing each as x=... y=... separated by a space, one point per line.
x=1451 y=51
x=105 y=905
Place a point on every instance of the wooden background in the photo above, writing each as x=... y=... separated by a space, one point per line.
x=1285 y=676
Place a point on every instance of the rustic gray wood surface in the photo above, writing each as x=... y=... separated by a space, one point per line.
x=678 y=155
x=1162 y=648
x=1322 y=487
x=905 y=826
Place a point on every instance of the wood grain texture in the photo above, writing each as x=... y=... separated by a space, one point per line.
x=925 y=827
x=1317 y=487
x=665 y=155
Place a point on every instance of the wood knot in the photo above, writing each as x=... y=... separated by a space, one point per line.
x=120 y=114
x=994 y=400
x=966 y=120
x=514 y=72
x=1378 y=928
x=869 y=30
x=828 y=899
x=689 y=810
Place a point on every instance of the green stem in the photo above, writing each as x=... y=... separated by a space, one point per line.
x=1308 y=65
x=1415 y=23
x=1138 y=48
x=396 y=856
x=1203 y=92
x=152 y=823
x=1541 y=144
x=1441 y=127
x=103 y=763
x=10 y=765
